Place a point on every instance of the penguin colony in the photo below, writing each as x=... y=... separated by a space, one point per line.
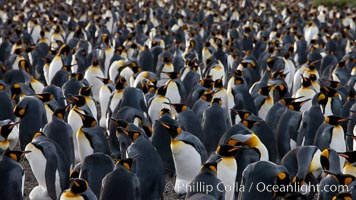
x=106 y=99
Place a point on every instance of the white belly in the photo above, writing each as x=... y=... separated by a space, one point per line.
x=38 y=163
x=173 y=93
x=338 y=142
x=187 y=162
x=227 y=169
x=75 y=122
x=91 y=75
x=54 y=67
x=104 y=99
x=264 y=109
x=83 y=146
x=155 y=107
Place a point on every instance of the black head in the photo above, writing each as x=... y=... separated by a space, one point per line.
x=265 y=90
x=132 y=134
x=243 y=114
x=207 y=96
x=210 y=166
x=350 y=156
x=87 y=120
x=60 y=113
x=335 y=120
x=15 y=90
x=250 y=123
x=5 y=130
x=16 y=155
x=173 y=129
x=296 y=105
x=105 y=80
x=226 y=150
x=207 y=83
x=64 y=50
x=173 y=75
x=164 y=111
x=127 y=162
x=77 y=100
x=161 y=90
x=120 y=123
x=306 y=82
x=85 y=91
x=45 y=97
x=78 y=185
x=218 y=83
x=179 y=107
x=216 y=100
x=120 y=83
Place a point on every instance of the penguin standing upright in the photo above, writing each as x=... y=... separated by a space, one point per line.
x=188 y=154
x=33 y=117
x=6 y=111
x=208 y=176
x=157 y=102
x=91 y=75
x=50 y=104
x=121 y=178
x=188 y=120
x=57 y=62
x=175 y=89
x=331 y=135
x=9 y=134
x=264 y=101
x=12 y=175
x=148 y=166
x=104 y=97
x=90 y=137
x=65 y=139
x=305 y=92
x=94 y=168
x=226 y=167
x=161 y=140
x=256 y=173
x=304 y=166
x=214 y=123
x=89 y=101
x=49 y=166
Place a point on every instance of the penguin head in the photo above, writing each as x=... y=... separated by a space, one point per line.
x=306 y=82
x=172 y=127
x=162 y=90
x=334 y=84
x=105 y=80
x=287 y=101
x=250 y=123
x=95 y=62
x=324 y=159
x=265 y=90
x=210 y=167
x=86 y=91
x=207 y=83
x=226 y=150
x=105 y=39
x=179 y=107
x=127 y=162
x=343 y=179
x=64 y=50
x=350 y=156
x=73 y=174
x=218 y=83
x=120 y=123
x=15 y=90
x=216 y=101
x=248 y=63
x=25 y=65
x=165 y=111
x=207 y=96
x=121 y=83
x=335 y=120
x=88 y=121
x=20 y=110
x=77 y=100
x=250 y=140
x=16 y=155
x=270 y=62
x=296 y=105
x=78 y=185
x=132 y=134
x=60 y=113
x=2 y=87
x=342 y=196
x=172 y=75
x=244 y=114
x=45 y=97
x=5 y=130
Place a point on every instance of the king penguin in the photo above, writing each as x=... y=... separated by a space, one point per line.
x=148 y=166
x=94 y=168
x=89 y=101
x=9 y=134
x=12 y=175
x=32 y=116
x=91 y=75
x=57 y=62
x=5 y=100
x=90 y=137
x=78 y=189
x=188 y=154
x=226 y=168
x=331 y=135
x=49 y=166
x=122 y=179
x=256 y=173
x=104 y=97
x=214 y=123
x=65 y=138
x=157 y=102
x=207 y=176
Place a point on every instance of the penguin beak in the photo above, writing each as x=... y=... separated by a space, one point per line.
x=164 y=124
x=343 y=120
x=344 y=155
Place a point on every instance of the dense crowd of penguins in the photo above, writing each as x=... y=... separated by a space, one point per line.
x=107 y=98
